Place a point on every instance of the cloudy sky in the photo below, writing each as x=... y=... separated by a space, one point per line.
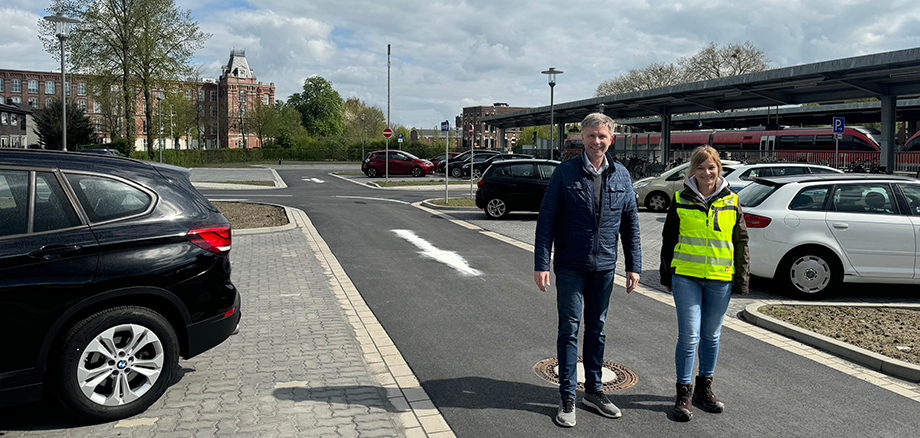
x=449 y=55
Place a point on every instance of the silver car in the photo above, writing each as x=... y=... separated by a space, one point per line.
x=655 y=192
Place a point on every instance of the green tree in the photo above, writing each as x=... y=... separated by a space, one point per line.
x=180 y=114
x=262 y=120
x=289 y=130
x=48 y=126
x=142 y=43
x=320 y=107
x=373 y=121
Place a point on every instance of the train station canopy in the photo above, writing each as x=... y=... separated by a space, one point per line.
x=798 y=115
x=889 y=74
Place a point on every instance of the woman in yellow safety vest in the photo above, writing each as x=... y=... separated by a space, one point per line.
x=704 y=259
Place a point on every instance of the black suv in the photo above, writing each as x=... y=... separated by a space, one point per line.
x=110 y=269
x=514 y=185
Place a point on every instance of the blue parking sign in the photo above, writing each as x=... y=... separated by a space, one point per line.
x=838 y=125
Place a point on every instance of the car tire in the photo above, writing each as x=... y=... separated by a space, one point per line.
x=456 y=172
x=657 y=202
x=417 y=172
x=371 y=172
x=144 y=358
x=496 y=208
x=477 y=173
x=810 y=273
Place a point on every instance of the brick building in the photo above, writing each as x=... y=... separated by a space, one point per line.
x=220 y=103
x=485 y=136
x=16 y=127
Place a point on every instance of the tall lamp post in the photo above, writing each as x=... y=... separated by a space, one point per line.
x=62 y=25
x=160 y=122
x=364 y=143
x=552 y=72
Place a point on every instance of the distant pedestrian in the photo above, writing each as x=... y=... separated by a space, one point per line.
x=704 y=259
x=588 y=205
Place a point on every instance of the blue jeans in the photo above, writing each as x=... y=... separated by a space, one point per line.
x=575 y=289
x=701 y=306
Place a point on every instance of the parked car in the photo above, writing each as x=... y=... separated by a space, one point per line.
x=437 y=159
x=655 y=192
x=480 y=167
x=110 y=270
x=463 y=157
x=514 y=185
x=401 y=163
x=103 y=151
x=745 y=173
x=812 y=232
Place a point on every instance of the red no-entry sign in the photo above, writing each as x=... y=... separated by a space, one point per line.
x=471 y=131
x=387 y=132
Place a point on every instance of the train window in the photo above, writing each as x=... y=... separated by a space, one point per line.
x=860 y=144
x=824 y=142
x=804 y=142
x=785 y=142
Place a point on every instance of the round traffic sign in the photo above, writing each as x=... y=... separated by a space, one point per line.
x=387 y=132
x=471 y=131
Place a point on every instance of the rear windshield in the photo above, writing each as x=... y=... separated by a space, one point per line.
x=754 y=194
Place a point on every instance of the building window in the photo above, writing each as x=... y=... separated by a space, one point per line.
x=82 y=104
x=48 y=102
x=81 y=89
x=49 y=87
x=2 y=85
x=5 y=118
x=188 y=94
x=213 y=111
x=16 y=142
x=33 y=102
x=242 y=95
x=97 y=108
x=145 y=126
x=4 y=141
x=67 y=88
x=16 y=99
x=97 y=126
x=265 y=99
x=201 y=95
x=14 y=119
x=16 y=86
x=213 y=96
x=33 y=86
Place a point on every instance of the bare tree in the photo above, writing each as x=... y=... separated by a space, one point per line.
x=655 y=75
x=712 y=62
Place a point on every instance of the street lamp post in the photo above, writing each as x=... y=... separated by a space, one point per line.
x=160 y=122
x=62 y=25
x=364 y=142
x=551 y=73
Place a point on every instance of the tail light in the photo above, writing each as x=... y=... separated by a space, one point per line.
x=214 y=238
x=479 y=184
x=754 y=221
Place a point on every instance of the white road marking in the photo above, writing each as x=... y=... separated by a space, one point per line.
x=449 y=258
x=374 y=199
x=316 y=180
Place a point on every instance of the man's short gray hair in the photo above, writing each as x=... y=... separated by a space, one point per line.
x=598 y=119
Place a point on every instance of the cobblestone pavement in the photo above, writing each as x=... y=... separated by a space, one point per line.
x=310 y=360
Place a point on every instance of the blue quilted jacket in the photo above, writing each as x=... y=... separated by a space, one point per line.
x=584 y=233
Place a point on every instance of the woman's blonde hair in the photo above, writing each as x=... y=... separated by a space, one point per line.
x=700 y=154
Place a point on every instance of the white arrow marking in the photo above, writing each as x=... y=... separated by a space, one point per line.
x=316 y=180
x=449 y=258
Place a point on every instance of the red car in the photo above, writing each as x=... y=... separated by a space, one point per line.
x=401 y=163
x=440 y=157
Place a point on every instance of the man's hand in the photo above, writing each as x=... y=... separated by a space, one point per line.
x=632 y=280
x=542 y=279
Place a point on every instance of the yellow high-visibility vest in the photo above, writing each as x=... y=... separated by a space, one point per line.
x=704 y=246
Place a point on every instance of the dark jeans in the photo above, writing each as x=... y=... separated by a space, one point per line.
x=574 y=290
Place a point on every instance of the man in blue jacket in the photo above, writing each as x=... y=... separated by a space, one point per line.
x=588 y=205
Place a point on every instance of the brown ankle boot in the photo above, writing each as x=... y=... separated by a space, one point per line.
x=683 y=410
x=703 y=395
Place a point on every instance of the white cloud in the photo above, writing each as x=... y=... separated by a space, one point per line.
x=451 y=54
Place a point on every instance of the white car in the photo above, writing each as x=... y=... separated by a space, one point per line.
x=812 y=232
x=745 y=173
x=655 y=192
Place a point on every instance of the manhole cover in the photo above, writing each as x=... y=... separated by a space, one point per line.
x=615 y=377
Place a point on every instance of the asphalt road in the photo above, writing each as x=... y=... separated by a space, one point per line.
x=473 y=339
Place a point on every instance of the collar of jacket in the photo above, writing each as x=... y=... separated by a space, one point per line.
x=611 y=167
x=689 y=193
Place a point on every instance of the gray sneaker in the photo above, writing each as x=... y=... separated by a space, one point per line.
x=565 y=416
x=602 y=404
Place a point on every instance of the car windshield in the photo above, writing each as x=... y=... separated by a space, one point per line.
x=754 y=194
